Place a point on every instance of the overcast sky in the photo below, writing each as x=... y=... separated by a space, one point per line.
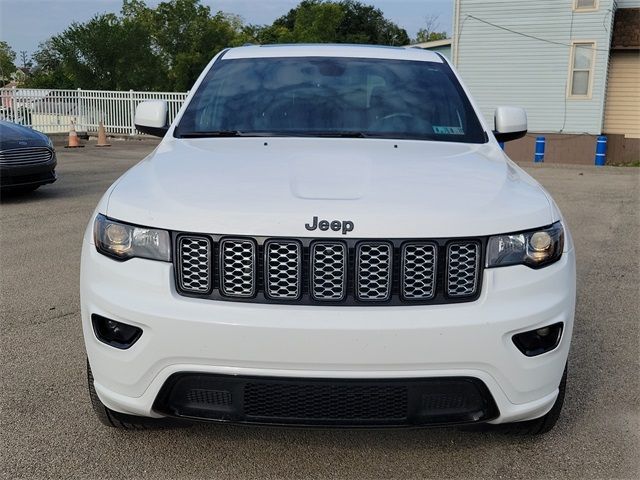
x=26 y=23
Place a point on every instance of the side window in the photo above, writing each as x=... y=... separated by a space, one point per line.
x=585 y=5
x=581 y=71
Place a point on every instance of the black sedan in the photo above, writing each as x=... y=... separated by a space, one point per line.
x=27 y=158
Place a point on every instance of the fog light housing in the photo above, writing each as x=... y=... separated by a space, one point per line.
x=539 y=341
x=113 y=333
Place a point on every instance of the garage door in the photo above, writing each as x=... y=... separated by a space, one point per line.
x=622 y=111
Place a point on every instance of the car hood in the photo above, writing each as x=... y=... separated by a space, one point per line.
x=274 y=186
x=13 y=135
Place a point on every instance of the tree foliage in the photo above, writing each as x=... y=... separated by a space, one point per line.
x=346 y=21
x=107 y=52
x=429 y=32
x=165 y=47
x=7 y=65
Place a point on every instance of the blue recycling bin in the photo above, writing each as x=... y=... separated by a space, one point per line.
x=601 y=151
x=540 y=144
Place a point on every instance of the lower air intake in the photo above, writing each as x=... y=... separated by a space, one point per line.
x=317 y=402
x=326 y=402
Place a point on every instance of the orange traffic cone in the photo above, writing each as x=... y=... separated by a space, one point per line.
x=102 y=136
x=74 y=142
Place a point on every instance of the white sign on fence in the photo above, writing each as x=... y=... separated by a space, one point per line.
x=51 y=111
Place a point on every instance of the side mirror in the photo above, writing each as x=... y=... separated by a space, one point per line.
x=510 y=123
x=152 y=117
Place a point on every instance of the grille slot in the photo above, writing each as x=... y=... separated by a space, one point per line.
x=463 y=260
x=238 y=267
x=419 y=267
x=328 y=271
x=334 y=402
x=194 y=264
x=283 y=269
x=25 y=156
x=374 y=271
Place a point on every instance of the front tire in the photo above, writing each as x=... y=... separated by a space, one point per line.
x=114 y=419
x=544 y=424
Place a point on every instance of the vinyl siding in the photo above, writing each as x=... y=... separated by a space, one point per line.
x=628 y=3
x=622 y=114
x=505 y=68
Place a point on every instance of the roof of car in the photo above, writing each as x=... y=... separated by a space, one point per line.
x=333 y=50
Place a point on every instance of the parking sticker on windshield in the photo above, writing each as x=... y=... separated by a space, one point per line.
x=448 y=130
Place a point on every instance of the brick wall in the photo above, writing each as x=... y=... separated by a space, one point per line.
x=626 y=28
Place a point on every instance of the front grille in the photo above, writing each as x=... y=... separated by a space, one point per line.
x=374 y=271
x=328 y=270
x=25 y=156
x=194 y=256
x=283 y=268
x=462 y=270
x=325 y=401
x=344 y=272
x=419 y=267
x=237 y=267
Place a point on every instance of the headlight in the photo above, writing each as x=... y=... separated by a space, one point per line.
x=535 y=248
x=123 y=241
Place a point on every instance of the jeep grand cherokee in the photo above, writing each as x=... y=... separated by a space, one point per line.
x=328 y=235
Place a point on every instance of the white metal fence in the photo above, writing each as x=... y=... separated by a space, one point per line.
x=52 y=111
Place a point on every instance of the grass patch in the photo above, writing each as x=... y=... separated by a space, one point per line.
x=632 y=164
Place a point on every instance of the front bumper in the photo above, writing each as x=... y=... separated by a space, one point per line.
x=294 y=341
x=23 y=175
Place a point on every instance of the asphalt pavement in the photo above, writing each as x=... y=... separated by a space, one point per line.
x=48 y=430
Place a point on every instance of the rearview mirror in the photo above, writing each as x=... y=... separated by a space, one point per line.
x=510 y=123
x=152 y=117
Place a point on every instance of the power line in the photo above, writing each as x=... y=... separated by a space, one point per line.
x=530 y=36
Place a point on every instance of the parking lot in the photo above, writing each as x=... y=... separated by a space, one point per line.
x=48 y=428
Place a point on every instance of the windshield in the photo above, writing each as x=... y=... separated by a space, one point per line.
x=321 y=96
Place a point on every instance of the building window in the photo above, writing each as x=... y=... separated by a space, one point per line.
x=581 y=74
x=585 y=5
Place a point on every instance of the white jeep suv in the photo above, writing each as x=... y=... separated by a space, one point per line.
x=328 y=235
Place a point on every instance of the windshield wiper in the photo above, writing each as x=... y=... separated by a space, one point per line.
x=214 y=133
x=277 y=133
x=336 y=134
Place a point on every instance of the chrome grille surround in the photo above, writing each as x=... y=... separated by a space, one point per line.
x=194 y=264
x=419 y=268
x=238 y=267
x=463 y=264
x=328 y=271
x=373 y=271
x=25 y=156
x=283 y=269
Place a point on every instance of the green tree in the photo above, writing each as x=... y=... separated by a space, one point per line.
x=367 y=24
x=185 y=35
x=165 y=47
x=161 y=48
x=346 y=21
x=7 y=65
x=429 y=32
x=48 y=71
x=106 y=53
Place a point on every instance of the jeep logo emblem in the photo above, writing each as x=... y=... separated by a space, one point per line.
x=335 y=225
